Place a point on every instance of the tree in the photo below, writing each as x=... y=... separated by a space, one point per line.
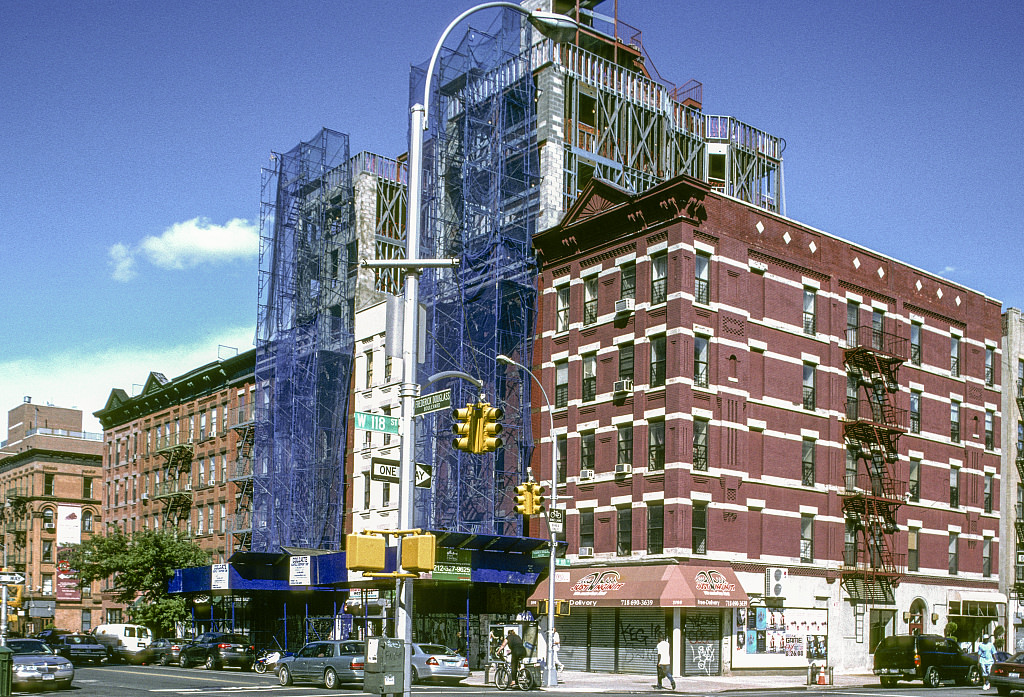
x=139 y=566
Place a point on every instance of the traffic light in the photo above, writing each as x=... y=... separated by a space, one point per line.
x=488 y=428
x=538 y=497
x=364 y=552
x=465 y=428
x=14 y=595
x=524 y=499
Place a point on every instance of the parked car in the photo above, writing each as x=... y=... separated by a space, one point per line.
x=930 y=658
x=35 y=665
x=168 y=650
x=124 y=642
x=51 y=636
x=329 y=663
x=80 y=648
x=1007 y=674
x=216 y=650
x=438 y=662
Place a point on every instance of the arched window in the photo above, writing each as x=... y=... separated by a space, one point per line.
x=87 y=521
x=48 y=515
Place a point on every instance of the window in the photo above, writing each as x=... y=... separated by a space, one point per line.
x=87 y=487
x=625 y=361
x=589 y=378
x=850 y=543
x=366 y=491
x=954 y=553
x=912 y=558
x=87 y=521
x=625 y=441
x=807 y=462
x=657 y=361
x=700 y=361
x=915 y=343
x=699 y=528
x=223 y=517
x=627 y=281
x=990 y=436
x=701 y=281
x=47 y=580
x=387 y=436
x=655 y=528
x=659 y=279
x=562 y=309
x=1020 y=377
x=700 y=445
x=810 y=399
x=990 y=371
x=209 y=519
x=986 y=557
x=48 y=484
x=624 y=531
x=656 y=445
x=807 y=539
x=202 y=425
x=561 y=457
x=810 y=311
x=389 y=366
x=587 y=451
x=954 y=421
x=386 y=494
x=915 y=411
x=587 y=529
x=86 y=624
x=200 y=528
x=589 y=300
x=852 y=323
x=369 y=367
x=851 y=468
x=954 y=487
x=878 y=330
x=48 y=517
x=954 y=356
x=915 y=480
x=988 y=493
x=561 y=384
x=1020 y=439
x=852 y=397
x=47 y=551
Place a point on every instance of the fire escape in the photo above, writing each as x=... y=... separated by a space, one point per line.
x=15 y=515
x=244 y=426
x=175 y=491
x=873 y=492
x=1018 y=580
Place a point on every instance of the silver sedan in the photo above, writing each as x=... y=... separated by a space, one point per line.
x=328 y=663
x=437 y=662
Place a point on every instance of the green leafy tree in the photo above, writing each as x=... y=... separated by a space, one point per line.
x=139 y=567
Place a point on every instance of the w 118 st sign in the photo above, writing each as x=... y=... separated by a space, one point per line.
x=376 y=422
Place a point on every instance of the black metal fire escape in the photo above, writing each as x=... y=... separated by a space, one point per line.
x=175 y=491
x=244 y=425
x=1018 y=577
x=872 y=566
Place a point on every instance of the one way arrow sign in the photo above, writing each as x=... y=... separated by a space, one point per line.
x=11 y=577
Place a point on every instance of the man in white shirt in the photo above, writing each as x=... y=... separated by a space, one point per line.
x=664 y=664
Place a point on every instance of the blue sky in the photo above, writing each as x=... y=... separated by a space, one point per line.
x=134 y=134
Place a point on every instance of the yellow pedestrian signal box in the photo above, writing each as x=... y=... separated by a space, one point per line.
x=418 y=552
x=524 y=499
x=561 y=608
x=487 y=431
x=465 y=428
x=364 y=552
x=15 y=594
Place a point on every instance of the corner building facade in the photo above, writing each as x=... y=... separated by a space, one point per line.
x=739 y=396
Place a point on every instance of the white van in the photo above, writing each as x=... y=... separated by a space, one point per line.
x=125 y=642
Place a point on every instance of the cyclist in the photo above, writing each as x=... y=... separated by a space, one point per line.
x=517 y=651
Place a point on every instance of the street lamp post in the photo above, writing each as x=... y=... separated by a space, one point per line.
x=559 y=28
x=551 y=671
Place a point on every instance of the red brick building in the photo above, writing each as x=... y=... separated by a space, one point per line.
x=779 y=446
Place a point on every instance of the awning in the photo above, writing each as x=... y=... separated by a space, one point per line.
x=647 y=586
x=978 y=596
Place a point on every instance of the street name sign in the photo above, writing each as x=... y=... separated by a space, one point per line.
x=435 y=401
x=377 y=422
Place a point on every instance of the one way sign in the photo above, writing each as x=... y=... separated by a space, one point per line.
x=11 y=577
x=424 y=475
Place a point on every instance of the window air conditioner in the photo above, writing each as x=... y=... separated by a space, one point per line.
x=623 y=468
x=145 y=496
x=776 y=582
x=213 y=481
x=586 y=551
x=49 y=526
x=621 y=386
x=586 y=474
x=623 y=306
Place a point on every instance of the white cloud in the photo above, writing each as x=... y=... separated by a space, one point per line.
x=75 y=379
x=187 y=245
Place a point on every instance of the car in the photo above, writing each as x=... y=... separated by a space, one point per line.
x=51 y=636
x=124 y=642
x=36 y=665
x=80 y=648
x=328 y=663
x=167 y=650
x=216 y=650
x=1007 y=674
x=930 y=658
x=438 y=662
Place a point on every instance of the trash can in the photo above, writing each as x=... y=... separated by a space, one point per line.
x=6 y=671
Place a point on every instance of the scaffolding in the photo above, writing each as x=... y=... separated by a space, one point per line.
x=304 y=347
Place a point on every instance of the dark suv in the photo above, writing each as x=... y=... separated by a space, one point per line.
x=930 y=658
x=218 y=649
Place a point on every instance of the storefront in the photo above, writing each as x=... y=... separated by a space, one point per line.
x=617 y=616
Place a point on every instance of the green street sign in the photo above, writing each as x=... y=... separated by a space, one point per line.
x=435 y=401
x=561 y=561
x=377 y=422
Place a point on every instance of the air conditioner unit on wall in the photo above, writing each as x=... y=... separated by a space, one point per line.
x=625 y=305
x=213 y=481
x=586 y=551
x=49 y=526
x=586 y=474
x=776 y=582
x=621 y=386
x=623 y=468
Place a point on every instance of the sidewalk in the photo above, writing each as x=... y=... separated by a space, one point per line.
x=575 y=681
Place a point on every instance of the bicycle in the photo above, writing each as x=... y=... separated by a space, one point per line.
x=503 y=677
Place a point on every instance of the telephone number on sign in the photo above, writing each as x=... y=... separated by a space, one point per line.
x=637 y=602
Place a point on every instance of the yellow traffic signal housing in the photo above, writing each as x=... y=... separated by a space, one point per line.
x=524 y=499
x=538 y=497
x=561 y=608
x=465 y=428
x=15 y=593
x=487 y=440
x=364 y=552
x=418 y=552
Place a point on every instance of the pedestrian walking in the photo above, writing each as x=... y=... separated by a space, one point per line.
x=556 y=642
x=664 y=664
x=986 y=657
